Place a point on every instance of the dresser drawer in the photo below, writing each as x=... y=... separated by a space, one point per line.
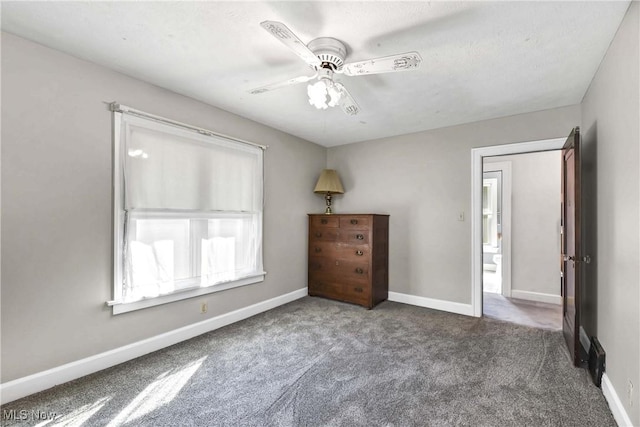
x=350 y=237
x=353 y=236
x=353 y=221
x=354 y=293
x=325 y=221
x=339 y=250
x=323 y=234
x=331 y=269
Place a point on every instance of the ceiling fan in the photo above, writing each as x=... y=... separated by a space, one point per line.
x=326 y=55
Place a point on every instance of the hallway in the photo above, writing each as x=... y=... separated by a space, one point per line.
x=529 y=313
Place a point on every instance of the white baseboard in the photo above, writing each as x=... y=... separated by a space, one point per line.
x=436 y=304
x=615 y=404
x=536 y=296
x=25 y=386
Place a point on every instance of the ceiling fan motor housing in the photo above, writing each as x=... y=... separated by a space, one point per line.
x=330 y=51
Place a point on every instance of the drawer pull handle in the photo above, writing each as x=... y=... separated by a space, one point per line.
x=359 y=253
x=318 y=234
x=357 y=289
x=324 y=221
x=318 y=250
x=360 y=236
x=359 y=270
x=354 y=221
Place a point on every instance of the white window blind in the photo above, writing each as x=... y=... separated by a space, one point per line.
x=188 y=212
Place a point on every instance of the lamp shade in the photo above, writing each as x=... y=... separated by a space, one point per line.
x=329 y=182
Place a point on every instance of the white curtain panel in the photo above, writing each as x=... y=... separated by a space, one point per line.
x=218 y=260
x=170 y=168
x=151 y=268
x=194 y=205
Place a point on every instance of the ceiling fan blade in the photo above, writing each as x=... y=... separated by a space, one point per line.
x=278 y=85
x=387 y=64
x=347 y=103
x=282 y=33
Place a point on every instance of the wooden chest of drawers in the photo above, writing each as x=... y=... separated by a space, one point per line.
x=348 y=257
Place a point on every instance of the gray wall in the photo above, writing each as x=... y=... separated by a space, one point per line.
x=535 y=221
x=611 y=131
x=423 y=181
x=57 y=212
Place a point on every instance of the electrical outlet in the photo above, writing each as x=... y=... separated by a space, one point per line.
x=630 y=392
x=204 y=306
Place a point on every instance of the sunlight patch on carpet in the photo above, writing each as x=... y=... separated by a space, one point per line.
x=77 y=417
x=157 y=394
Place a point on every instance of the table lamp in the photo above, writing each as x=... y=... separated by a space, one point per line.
x=328 y=184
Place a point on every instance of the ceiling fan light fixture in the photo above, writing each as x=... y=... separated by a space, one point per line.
x=317 y=95
x=323 y=94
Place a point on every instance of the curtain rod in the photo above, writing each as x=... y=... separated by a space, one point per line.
x=119 y=108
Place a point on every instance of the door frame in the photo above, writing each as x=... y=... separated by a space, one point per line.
x=476 y=203
x=505 y=168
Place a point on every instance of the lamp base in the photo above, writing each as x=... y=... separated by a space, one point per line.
x=327 y=197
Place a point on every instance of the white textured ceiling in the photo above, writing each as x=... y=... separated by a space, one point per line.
x=481 y=60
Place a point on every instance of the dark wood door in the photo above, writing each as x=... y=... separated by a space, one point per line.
x=571 y=254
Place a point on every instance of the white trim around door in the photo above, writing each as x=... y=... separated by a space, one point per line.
x=476 y=203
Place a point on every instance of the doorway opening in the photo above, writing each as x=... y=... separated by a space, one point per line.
x=527 y=216
x=495 y=240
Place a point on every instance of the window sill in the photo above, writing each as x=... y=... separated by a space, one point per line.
x=124 y=307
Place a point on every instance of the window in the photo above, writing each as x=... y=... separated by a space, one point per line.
x=188 y=211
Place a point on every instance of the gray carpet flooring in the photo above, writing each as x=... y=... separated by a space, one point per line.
x=316 y=362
